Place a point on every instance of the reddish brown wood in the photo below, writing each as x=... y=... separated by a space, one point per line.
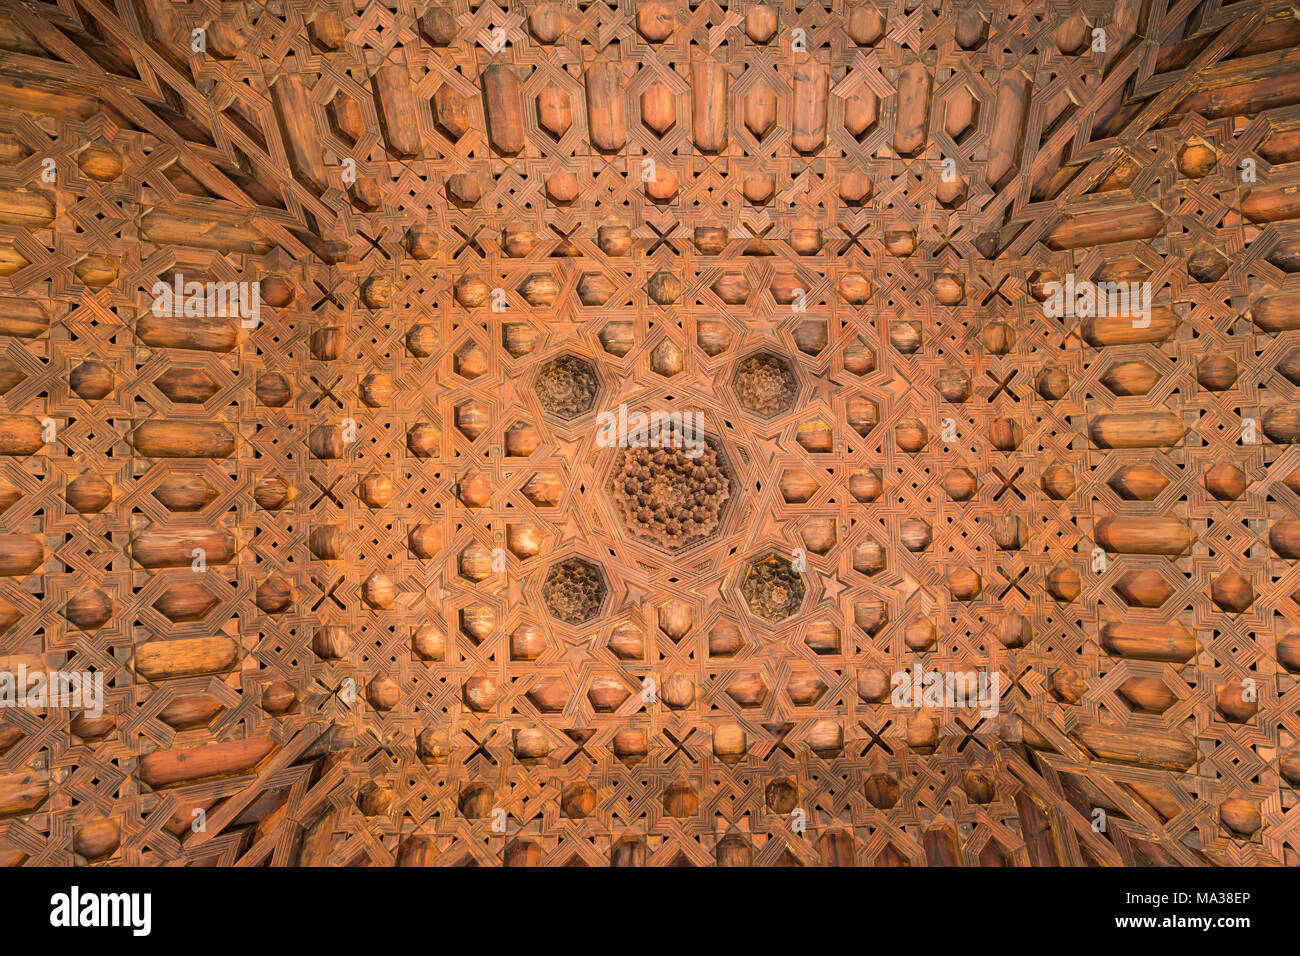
x=364 y=581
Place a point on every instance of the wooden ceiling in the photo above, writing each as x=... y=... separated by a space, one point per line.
x=438 y=621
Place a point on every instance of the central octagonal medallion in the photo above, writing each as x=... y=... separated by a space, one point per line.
x=672 y=497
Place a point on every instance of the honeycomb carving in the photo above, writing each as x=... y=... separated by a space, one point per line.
x=567 y=386
x=773 y=589
x=669 y=499
x=765 y=384
x=574 y=591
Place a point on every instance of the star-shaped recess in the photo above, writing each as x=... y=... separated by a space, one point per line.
x=831 y=586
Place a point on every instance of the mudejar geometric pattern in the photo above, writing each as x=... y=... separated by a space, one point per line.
x=612 y=433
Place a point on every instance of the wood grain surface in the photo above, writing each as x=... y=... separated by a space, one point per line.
x=367 y=586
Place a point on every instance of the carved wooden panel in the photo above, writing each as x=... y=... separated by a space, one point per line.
x=366 y=577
